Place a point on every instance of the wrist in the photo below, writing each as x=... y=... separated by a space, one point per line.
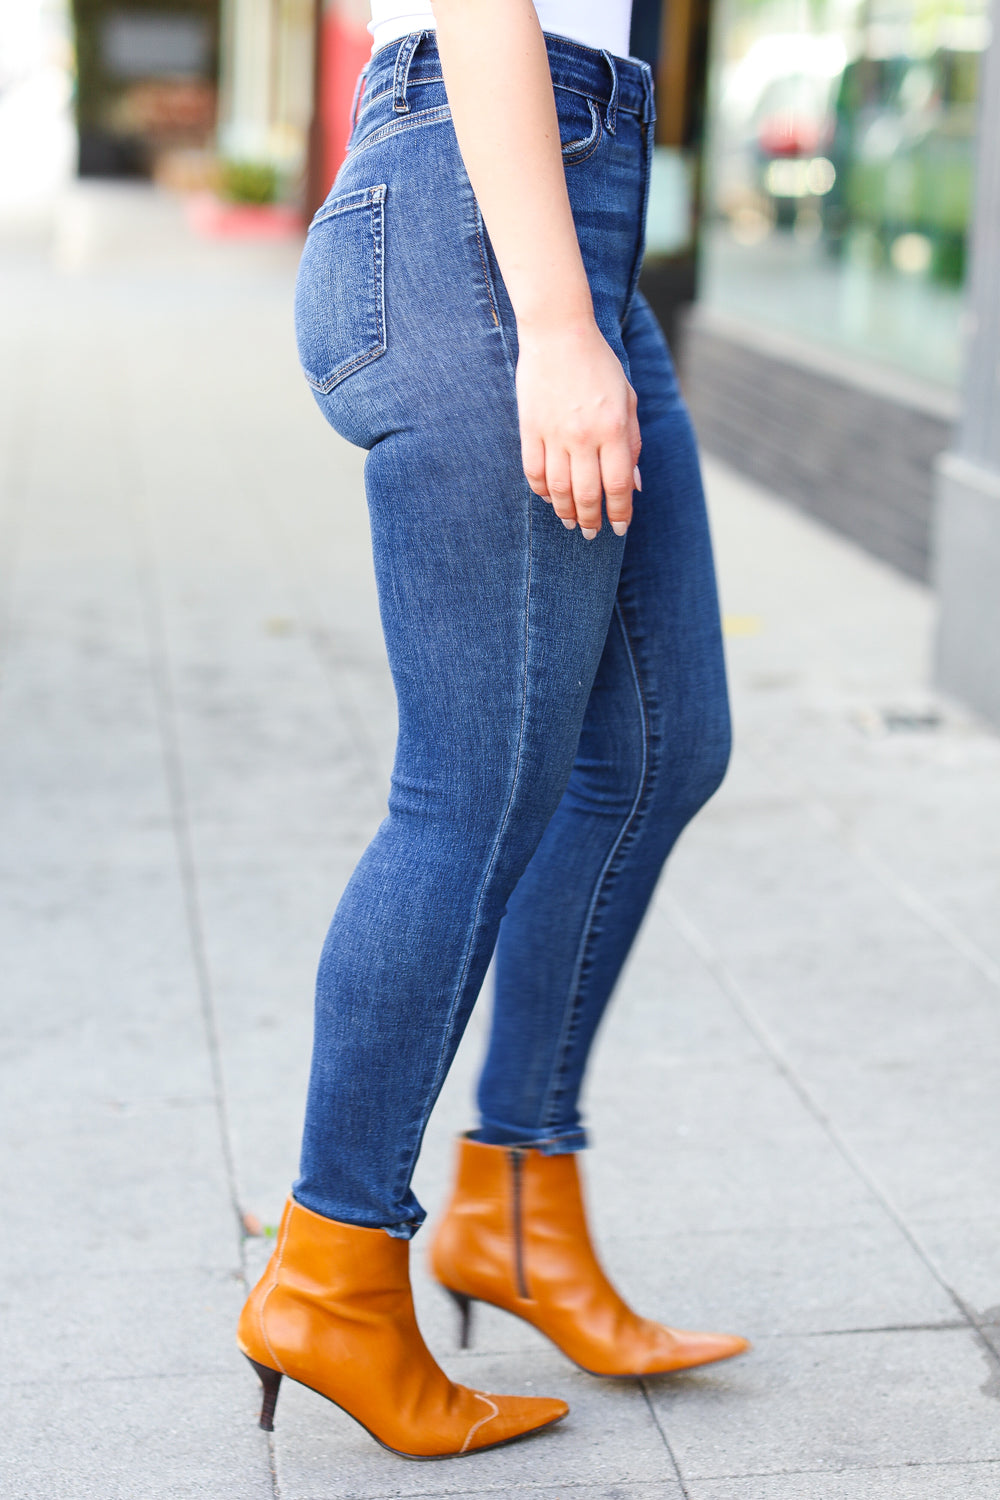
x=566 y=322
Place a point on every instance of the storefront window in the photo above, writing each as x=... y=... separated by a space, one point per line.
x=839 y=172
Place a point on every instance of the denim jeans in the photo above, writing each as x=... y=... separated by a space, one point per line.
x=562 y=702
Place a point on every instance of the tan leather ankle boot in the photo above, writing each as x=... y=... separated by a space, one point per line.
x=515 y=1234
x=334 y=1311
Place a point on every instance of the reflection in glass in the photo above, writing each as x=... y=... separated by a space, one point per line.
x=840 y=170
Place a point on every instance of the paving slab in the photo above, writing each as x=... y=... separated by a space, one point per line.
x=733 y=1148
x=814 y=681
x=911 y=1482
x=833 y=1402
x=144 y=1188
x=833 y=1277
x=175 y=1437
x=891 y=1030
x=610 y=1437
x=186 y=1318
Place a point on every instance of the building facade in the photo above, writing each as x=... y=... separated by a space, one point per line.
x=825 y=350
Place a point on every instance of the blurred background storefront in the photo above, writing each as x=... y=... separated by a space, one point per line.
x=825 y=352
x=824 y=248
x=819 y=167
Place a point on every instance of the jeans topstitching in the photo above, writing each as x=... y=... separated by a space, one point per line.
x=441 y=1070
x=600 y=886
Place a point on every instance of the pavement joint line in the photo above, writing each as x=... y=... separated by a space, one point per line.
x=644 y=1387
x=958 y=1325
x=14 y=494
x=173 y=767
x=31 y=1383
x=135 y=505
x=272 y=1462
x=733 y=990
x=521 y=1487
x=918 y=1463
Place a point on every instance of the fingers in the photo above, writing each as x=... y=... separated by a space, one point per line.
x=579 y=434
x=585 y=472
x=559 y=481
x=578 y=484
x=533 y=462
x=618 y=476
x=607 y=471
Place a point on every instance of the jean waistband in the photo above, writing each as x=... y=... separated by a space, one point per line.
x=615 y=83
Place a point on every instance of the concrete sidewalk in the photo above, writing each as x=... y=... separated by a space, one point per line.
x=795 y=1104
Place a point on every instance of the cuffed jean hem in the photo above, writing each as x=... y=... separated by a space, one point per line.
x=404 y=1231
x=548 y=1142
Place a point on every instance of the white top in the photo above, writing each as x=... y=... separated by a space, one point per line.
x=603 y=24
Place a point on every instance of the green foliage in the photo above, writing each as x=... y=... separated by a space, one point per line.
x=948 y=264
x=249 y=181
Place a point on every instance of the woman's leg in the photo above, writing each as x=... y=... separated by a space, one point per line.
x=653 y=748
x=495 y=618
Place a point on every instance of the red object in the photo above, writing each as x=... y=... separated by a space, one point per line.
x=345 y=46
x=786 y=135
x=215 y=219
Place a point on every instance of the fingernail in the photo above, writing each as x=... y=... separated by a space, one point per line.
x=586 y=531
x=569 y=525
x=637 y=479
x=619 y=527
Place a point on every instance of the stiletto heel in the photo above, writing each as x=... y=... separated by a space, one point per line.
x=270 y=1380
x=464 y=1305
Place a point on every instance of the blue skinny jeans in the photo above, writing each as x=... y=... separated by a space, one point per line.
x=562 y=703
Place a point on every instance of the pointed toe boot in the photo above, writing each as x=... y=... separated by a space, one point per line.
x=515 y=1235
x=334 y=1311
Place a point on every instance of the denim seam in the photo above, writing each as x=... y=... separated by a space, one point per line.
x=589 y=925
x=567 y=41
x=576 y=152
x=640 y=249
x=423 y=117
x=440 y=1071
x=482 y=257
x=511 y=363
x=581 y=93
x=410 y=83
x=340 y=205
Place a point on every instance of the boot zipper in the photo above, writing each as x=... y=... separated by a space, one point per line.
x=517 y=1169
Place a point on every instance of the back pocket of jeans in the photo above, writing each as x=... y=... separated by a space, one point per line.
x=340 y=292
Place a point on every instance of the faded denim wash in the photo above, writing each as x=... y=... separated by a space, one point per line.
x=562 y=703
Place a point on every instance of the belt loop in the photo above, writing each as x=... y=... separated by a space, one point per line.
x=649 y=102
x=611 y=116
x=359 y=89
x=401 y=74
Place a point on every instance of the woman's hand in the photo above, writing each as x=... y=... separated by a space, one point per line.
x=579 y=432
